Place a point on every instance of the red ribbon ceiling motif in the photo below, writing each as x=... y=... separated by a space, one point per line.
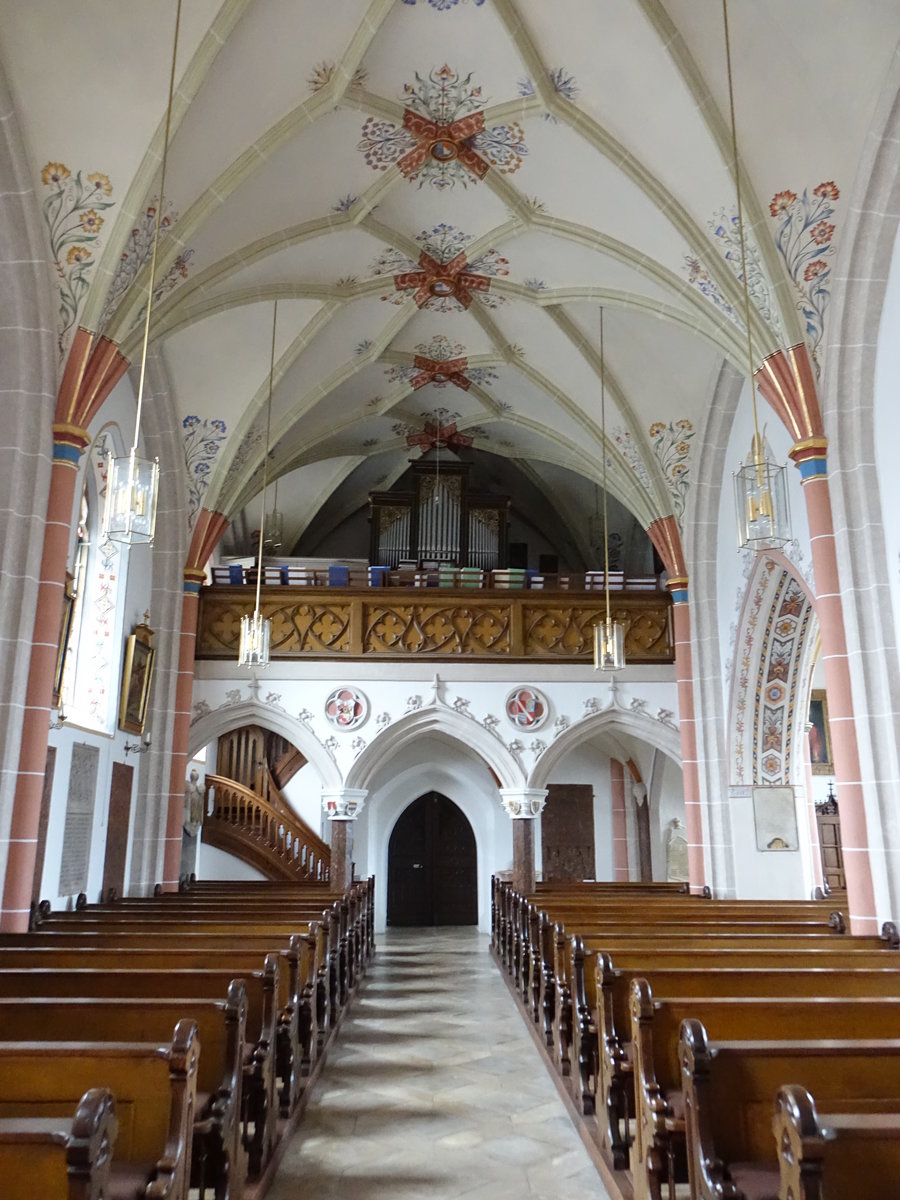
x=436 y=434
x=443 y=143
x=432 y=371
x=435 y=279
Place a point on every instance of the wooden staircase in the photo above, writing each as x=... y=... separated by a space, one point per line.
x=247 y=816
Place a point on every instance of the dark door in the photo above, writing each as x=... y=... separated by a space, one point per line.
x=829 y=821
x=432 y=865
x=117 y=828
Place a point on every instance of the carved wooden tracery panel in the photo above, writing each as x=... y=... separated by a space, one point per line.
x=487 y=627
x=437 y=629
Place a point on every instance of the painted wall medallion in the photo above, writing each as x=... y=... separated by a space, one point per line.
x=346 y=708
x=527 y=708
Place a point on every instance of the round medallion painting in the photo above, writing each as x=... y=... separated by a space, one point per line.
x=526 y=708
x=346 y=708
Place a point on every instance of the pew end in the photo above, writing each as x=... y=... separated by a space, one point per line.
x=829 y=1156
x=58 y=1159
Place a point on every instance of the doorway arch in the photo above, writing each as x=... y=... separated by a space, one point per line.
x=432 y=865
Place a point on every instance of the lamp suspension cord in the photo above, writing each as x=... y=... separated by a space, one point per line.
x=757 y=446
x=159 y=213
x=603 y=430
x=262 y=518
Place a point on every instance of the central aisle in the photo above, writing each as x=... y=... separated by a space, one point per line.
x=435 y=1089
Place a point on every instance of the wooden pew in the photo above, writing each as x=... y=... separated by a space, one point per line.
x=345 y=939
x=259 y=1101
x=836 y=1155
x=520 y=941
x=218 y=1138
x=655 y=1028
x=601 y=1035
x=59 y=1159
x=268 y=939
x=728 y=1089
x=822 y=946
x=300 y=990
x=155 y=1089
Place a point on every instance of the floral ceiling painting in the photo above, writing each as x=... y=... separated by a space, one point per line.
x=443 y=140
x=443 y=280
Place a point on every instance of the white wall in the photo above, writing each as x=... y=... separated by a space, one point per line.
x=213 y=863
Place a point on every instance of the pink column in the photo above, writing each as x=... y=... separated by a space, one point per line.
x=69 y=442
x=193 y=579
x=684 y=669
x=811 y=457
x=619 y=825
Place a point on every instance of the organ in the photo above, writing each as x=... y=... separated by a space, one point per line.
x=439 y=519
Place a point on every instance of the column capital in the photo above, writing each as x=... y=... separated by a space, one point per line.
x=343 y=804
x=194 y=578
x=520 y=803
x=678 y=586
x=69 y=443
x=811 y=456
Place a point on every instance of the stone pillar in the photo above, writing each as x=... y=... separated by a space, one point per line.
x=810 y=455
x=684 y=670
x=69 y=443
x=342 y=806
x=523 y=805
x=619 y=825
x=642 y=820
x=181 y=729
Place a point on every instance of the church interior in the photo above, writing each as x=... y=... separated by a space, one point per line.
x=450 y=539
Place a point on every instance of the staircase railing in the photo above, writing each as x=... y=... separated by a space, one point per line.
x=269 y=836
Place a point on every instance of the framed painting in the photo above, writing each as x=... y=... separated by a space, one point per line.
x=65 y=632
x=775 y=818
x=137 y=675
x=819 y=734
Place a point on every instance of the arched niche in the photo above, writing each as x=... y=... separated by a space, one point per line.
x=433 y=762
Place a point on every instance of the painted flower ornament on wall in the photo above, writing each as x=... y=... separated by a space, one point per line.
x=804 y=240
x=72 y=213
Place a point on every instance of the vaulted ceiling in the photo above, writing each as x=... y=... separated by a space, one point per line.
x=442 y=195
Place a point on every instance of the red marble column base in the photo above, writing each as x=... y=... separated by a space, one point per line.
x=341 y=855
x=523 y=878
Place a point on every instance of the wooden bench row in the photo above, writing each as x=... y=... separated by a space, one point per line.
x=258 y=980
x=629 y=1003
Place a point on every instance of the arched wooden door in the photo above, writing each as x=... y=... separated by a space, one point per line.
x=432 y=865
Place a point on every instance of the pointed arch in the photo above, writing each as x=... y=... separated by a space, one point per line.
x=253 y=712
x=613 y=723
x=437 y=718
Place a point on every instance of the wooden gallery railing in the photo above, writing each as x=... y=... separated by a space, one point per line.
x=399 y=623
x=268 y=836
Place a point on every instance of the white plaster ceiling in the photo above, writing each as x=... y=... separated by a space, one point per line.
x=610 y=183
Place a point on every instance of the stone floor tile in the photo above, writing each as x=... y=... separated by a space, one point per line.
x=435 y=1089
